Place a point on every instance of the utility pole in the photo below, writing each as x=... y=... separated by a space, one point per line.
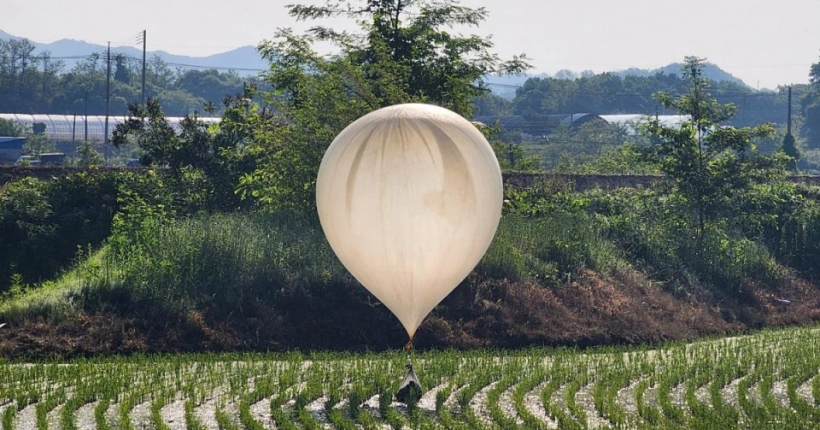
x=86 y=116
x=144 y=36
x=789 y=125
x=107 y=89
x=45 y=76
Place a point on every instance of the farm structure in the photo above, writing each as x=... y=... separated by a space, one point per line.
x=79 y=128
x=544 y=126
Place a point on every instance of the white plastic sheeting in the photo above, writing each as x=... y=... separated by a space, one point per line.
x=409 y=198
x=71 y=128
x=631 y=121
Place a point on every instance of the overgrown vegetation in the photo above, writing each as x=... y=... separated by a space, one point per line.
x=216 y=244
x=240 y=274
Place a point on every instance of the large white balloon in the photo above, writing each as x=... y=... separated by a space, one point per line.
x=409 y=198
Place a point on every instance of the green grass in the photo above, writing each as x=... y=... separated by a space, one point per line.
x=186 y=265
x=223 y=268
x=53 y=298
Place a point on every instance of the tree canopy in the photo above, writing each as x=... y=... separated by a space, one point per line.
x=607 y=93
x=32 y=83
x=404 y=51
x=712 y=165
x=811 y=108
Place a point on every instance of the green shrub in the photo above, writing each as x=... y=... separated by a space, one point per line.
x=42 y=223
x=655 y=236
x=550 y=249
x=797 y=242
x=223 y=260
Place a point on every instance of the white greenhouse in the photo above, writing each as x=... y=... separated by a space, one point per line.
x=631 y=121
x=78 y=128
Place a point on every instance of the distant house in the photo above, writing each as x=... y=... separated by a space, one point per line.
x=542 y=126
x=11 y=148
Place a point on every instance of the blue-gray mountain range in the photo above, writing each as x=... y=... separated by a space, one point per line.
x=245 y=58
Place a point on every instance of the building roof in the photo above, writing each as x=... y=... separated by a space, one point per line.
x=67 y=128
x=12 y=142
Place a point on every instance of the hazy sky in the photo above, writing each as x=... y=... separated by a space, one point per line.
x=765 y=42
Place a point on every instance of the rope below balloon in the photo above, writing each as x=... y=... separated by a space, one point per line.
x=409 y=347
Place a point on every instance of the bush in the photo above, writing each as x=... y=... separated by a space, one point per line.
x=226 y=262
x=548 y=250
x=797 y=243
x=43 y=223
x=223 y=261
x=656 y=237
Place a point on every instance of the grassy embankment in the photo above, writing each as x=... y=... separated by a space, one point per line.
x=598 y=268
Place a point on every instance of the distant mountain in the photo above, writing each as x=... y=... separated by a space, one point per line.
x=245 y=60
x=710 y=71
x=505 y=86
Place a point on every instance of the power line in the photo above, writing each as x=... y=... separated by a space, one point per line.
x=194 y=66
x=714 y=92
x=175 y=64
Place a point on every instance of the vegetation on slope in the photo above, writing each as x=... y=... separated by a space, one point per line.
x=222 y=250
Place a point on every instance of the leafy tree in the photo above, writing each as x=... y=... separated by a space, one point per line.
x=713 y=166
x=37 y=143
x=209 y=85
x=811 y=108
x=9 y=128
x=490 y=104
x=121 y=72
x=790 y=149
x=38 y=84
x=401 y=54
x=38 y=128
x=158 y=74
x=608 y=93
x=180 y=102
x=88 y=156
x=17 y=74
x=148 y=128
x=213 y=157
x=512 y=156
x=599 y=133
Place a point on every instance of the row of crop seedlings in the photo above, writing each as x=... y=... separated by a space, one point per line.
x=759 y=382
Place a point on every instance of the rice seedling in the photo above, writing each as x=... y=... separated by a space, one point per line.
x=761 y=381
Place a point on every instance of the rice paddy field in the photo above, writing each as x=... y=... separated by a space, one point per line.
x=767 y=380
